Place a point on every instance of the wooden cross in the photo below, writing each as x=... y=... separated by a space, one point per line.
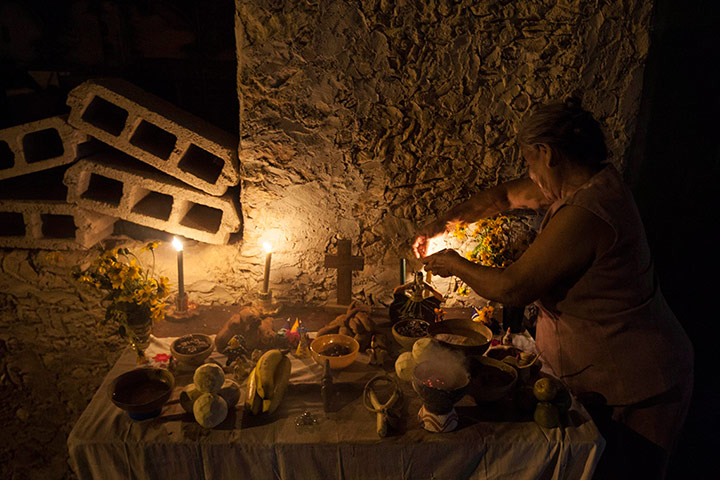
x=345 y=264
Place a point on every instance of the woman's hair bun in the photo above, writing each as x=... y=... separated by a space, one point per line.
x=573 y=104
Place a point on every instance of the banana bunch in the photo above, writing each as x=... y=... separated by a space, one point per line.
x=267 y=382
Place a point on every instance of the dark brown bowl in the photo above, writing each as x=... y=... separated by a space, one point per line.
x=142 y=392
x=476 y=336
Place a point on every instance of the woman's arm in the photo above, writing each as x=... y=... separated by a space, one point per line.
x=521 y=193
x=566 y=247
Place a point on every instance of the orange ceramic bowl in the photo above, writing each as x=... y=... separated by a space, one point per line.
x=323 y=343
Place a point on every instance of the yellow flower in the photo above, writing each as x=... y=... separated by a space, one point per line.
x=150 y=246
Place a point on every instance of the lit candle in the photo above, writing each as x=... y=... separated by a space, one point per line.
x=268 y=257
x=181 y=281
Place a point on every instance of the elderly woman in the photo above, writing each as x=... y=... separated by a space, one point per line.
x=603 y=325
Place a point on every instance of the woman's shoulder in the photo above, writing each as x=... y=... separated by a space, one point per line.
x=603 y=193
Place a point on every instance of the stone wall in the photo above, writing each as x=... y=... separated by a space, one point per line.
x=359 y=120
x=362 y=119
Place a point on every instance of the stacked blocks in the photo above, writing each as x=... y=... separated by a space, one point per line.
x=156 y=132
x=114 y=183
x=37 y=146
x=51 y=225
x=154 y=165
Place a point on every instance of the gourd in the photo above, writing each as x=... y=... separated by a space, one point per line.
x=210 y=410
x=209 y=378
x=230 y=392
x=405 y=366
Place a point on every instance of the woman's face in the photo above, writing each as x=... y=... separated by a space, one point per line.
x=537 y=158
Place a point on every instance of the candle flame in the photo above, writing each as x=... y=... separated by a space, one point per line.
x=177 y=244
x=267 y=247
x=434 y=245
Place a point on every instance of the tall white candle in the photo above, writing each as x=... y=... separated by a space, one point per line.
x=268 y=258
x=181 y=280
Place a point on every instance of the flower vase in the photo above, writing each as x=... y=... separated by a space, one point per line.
x=139 y=329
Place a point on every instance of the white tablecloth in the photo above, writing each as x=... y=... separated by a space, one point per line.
x=490 y=443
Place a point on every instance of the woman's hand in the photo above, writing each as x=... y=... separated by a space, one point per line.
x=426 y=233
x=443 y=263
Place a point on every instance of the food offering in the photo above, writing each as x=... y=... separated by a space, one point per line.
x=211 y=396
x=267 y=382
x=190 y=351
x=406 y=332
x=554 y=401
x=471 y=338
x=340 y=350
x=356 y=322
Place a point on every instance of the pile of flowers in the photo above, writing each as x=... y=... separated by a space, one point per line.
x=496 y=242
x=493 y=242
x=133 y=293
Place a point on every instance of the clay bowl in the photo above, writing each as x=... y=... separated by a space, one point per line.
x=407 y=341
x=193 y=349
x=142 y=392
x=440 y=385
x=320 y=345
x=471 y=338
x=490 y=379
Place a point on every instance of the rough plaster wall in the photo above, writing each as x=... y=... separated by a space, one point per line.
x=361 y=119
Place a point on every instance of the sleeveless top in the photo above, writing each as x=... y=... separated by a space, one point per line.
x=610 y=329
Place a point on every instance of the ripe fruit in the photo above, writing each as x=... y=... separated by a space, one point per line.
x=209 y=378
x=545 y=389
x=280 y=382
x=265 y=370
x=230 y=392
x=405 y=366
x=253 y=401
x=546 y=415
x=210 y=410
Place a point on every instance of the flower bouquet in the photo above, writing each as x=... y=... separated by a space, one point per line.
x=134 y=296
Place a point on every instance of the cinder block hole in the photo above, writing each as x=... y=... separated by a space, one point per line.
x=154 y=140
x=154 y=204
x=58 y=226
x=12 y=224
x=42 y=145
x=202 y=164
x=105 y=116
x=7 y=157
x=202 y=217
x=103 y=189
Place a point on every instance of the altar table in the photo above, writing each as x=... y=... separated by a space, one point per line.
x=491 y=442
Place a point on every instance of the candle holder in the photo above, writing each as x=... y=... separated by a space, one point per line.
x=181 y=309
x=265 y=299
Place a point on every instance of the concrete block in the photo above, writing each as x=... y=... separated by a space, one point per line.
x=36 y=146
x=114 y=184
x=156 y=132
x=52 y=225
